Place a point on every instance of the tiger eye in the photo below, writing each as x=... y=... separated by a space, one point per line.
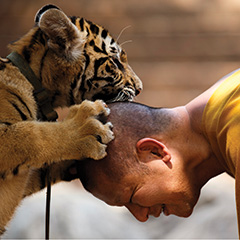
x=123 y=56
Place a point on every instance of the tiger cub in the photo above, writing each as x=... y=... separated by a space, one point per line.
x=75 y=60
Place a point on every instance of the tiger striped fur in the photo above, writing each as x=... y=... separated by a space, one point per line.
x=75 y=60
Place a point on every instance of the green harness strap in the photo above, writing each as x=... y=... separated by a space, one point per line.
x=45 y=110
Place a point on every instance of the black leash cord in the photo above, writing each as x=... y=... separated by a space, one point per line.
x=48 y=203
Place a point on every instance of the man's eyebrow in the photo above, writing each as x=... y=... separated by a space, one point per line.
x=118 y=201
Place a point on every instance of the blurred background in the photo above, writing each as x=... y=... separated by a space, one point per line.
x=179 y=48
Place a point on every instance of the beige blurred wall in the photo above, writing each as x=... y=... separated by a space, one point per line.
x=179 y=47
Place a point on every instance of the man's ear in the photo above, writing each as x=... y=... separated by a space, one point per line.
x=150 y=149
x=64 y=37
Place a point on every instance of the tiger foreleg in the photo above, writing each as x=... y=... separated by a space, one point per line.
x=84 y=134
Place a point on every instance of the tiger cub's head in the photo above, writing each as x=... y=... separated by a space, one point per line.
x=77 y=59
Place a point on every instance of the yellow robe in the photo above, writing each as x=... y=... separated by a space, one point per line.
x=221 y=126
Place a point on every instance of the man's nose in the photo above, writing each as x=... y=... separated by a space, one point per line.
x=140 y=213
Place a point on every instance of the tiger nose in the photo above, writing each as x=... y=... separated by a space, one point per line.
x=138 y=85
x=137 y=91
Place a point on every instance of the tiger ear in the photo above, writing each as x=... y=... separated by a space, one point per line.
x=44 y=9
x=64 y=37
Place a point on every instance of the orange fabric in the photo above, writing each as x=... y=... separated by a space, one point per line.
x=221 y=125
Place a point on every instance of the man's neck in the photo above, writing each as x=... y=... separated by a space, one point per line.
x=208 y=165
x=191 y=143
x=191 y=151
x=195 y=108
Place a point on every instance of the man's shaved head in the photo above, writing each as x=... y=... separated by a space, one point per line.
x=129 y=125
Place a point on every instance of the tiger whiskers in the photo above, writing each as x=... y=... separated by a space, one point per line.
x=128 y=41
x=120 y=34
x=124 y=95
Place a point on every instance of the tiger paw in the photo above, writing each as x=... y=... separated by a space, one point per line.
x=88 y=124
x=86 y=109
x=98 y=135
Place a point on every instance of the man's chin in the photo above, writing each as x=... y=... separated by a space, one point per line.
x=185 y=213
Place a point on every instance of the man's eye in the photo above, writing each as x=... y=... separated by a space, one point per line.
x=133 y=192
x=131 y=199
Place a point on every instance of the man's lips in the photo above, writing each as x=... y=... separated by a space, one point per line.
x=156 y=210
x=165 y=210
